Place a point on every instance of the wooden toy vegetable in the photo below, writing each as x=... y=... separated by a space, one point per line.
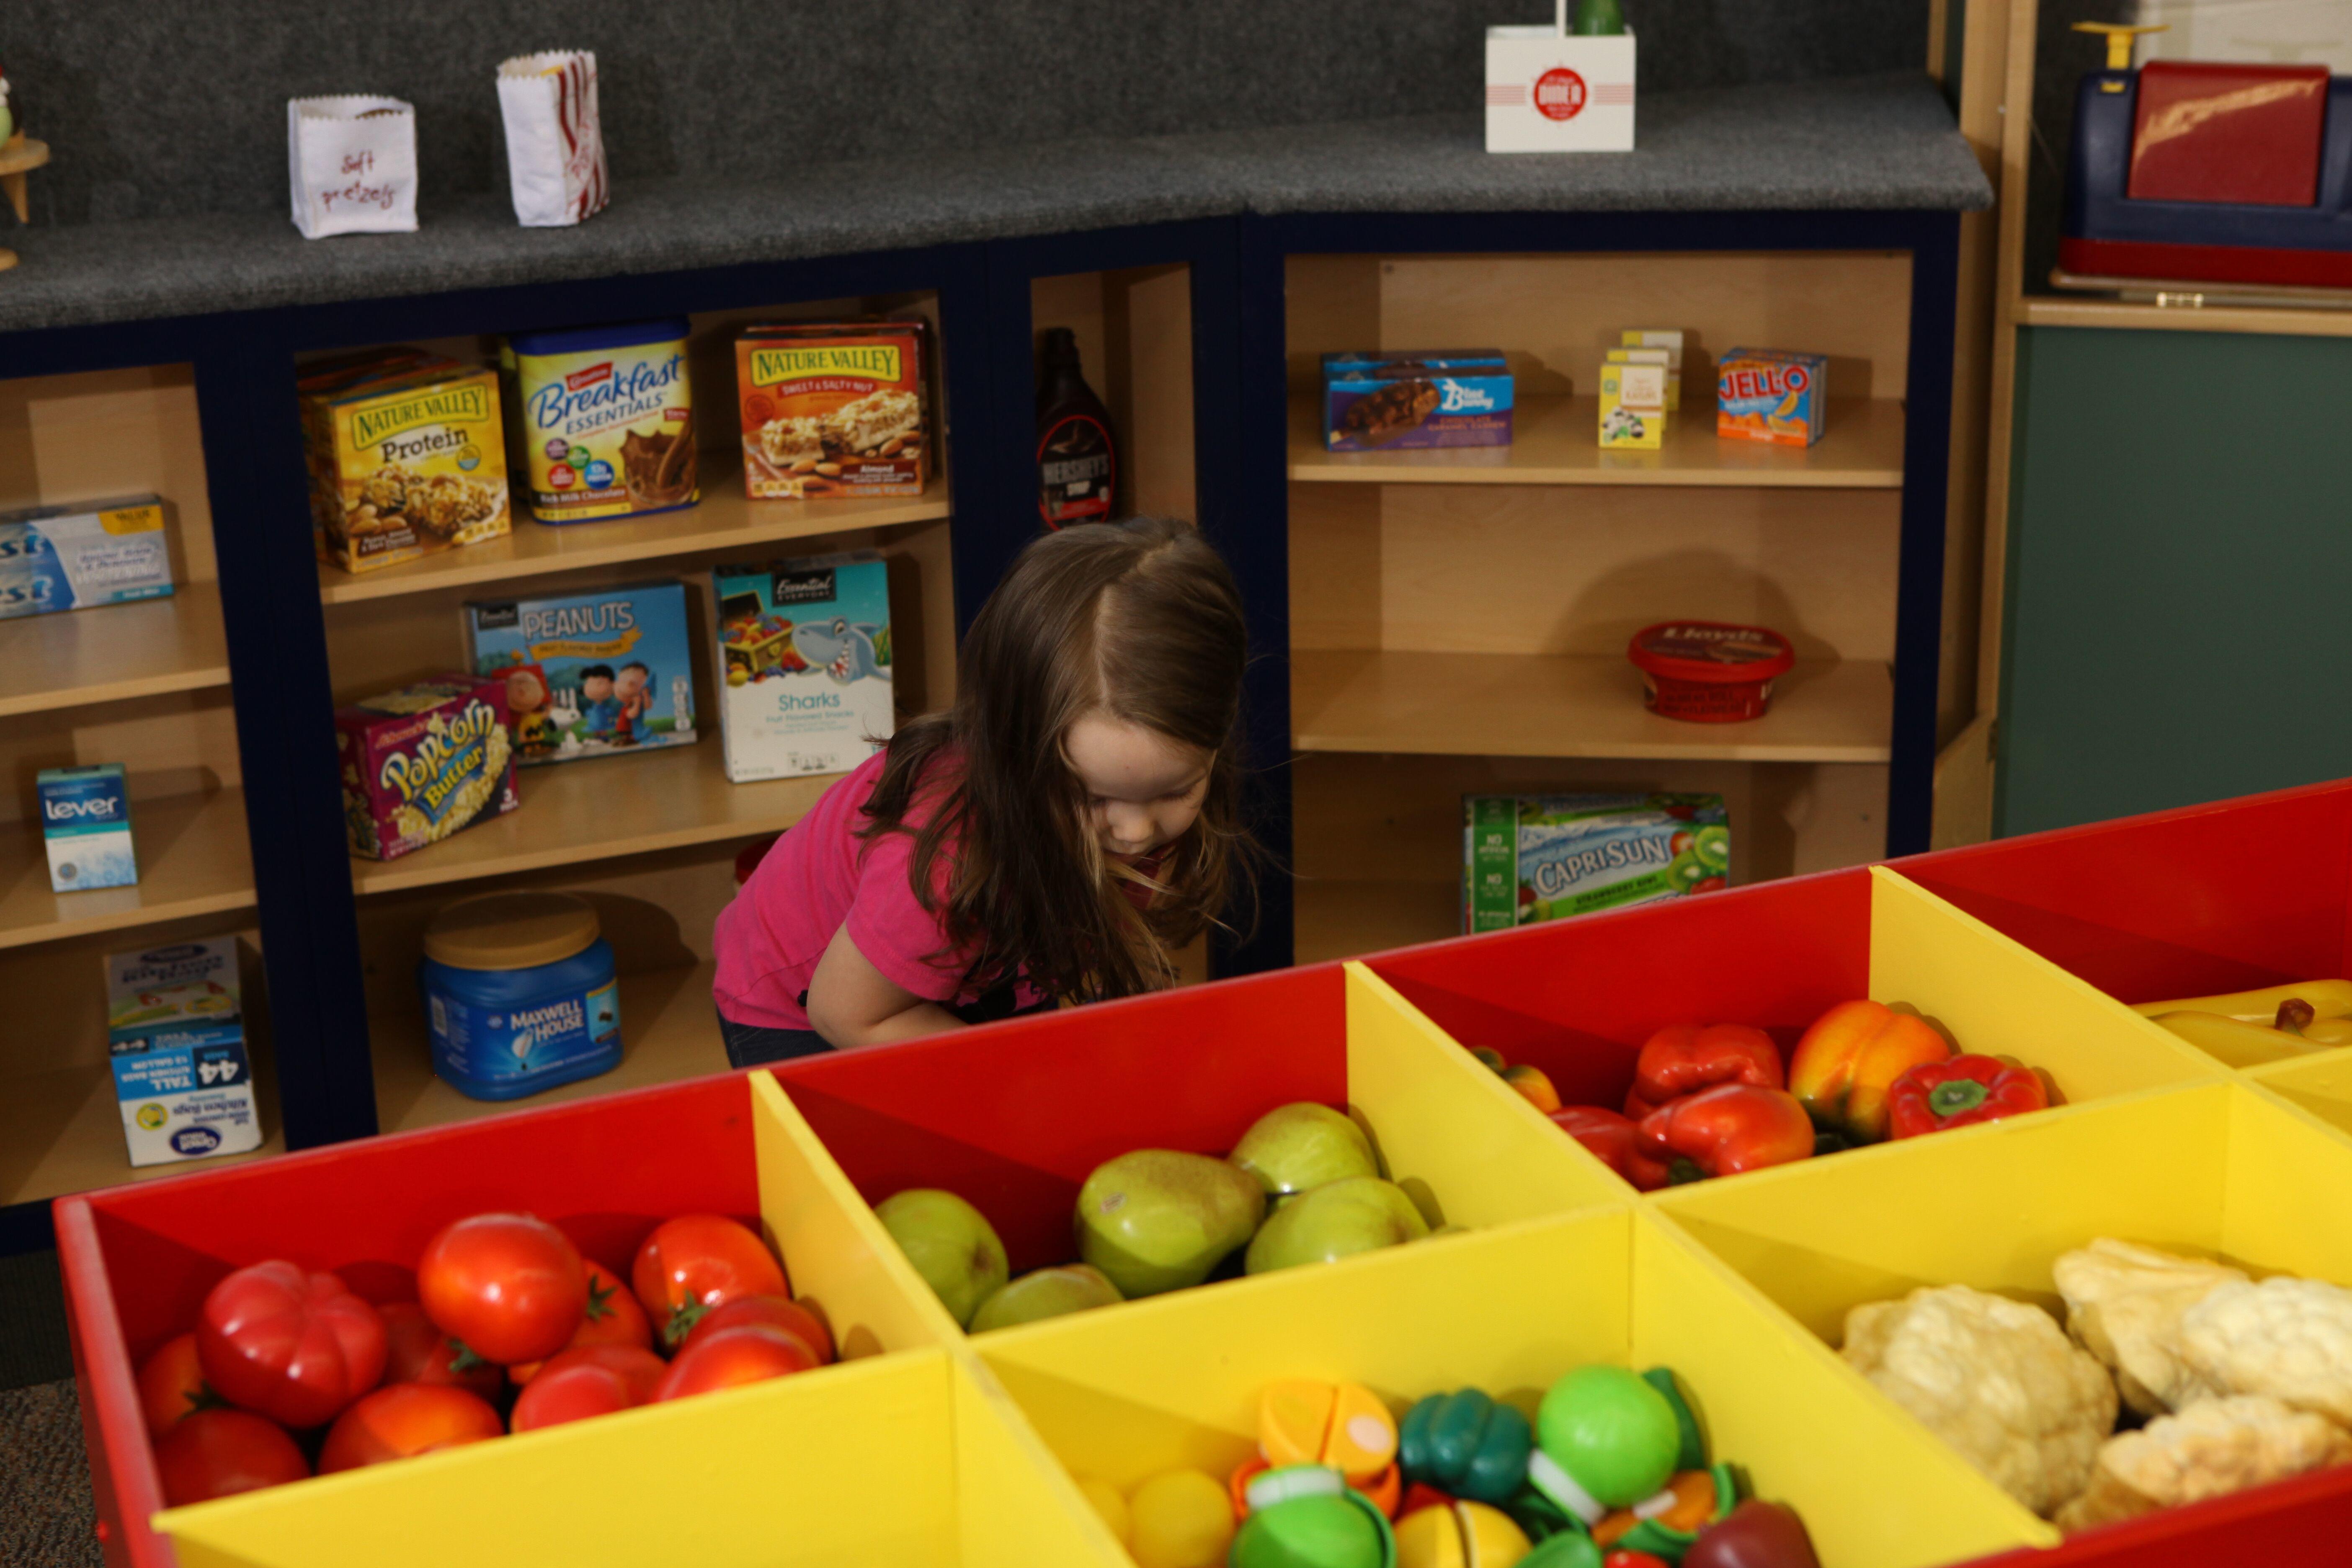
x=1936 y=1097
x=1302 y=1422
x=1459 y=1535
x=1608 y=1439
x=1612 y=1140
x=1466 y=1445
x=1850 y=1059
x=1683 y=1059
x=1731 y=1128
x=1664 y=1526
x=1756 y=1534
x=1304 y=1516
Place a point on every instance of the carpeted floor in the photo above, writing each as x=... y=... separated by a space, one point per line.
x=45 y=1509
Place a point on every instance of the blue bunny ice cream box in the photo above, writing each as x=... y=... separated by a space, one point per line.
x=805 y=665
x=590 y=674
x=1434 y=397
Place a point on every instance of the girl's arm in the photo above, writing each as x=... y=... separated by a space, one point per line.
x=851 y=1003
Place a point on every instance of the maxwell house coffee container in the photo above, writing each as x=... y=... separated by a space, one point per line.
x=519 y=995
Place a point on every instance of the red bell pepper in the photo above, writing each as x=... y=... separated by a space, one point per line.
x=1730 y=1128
x=1683 y=1059
x=1852 y=1057
x=289 y=1344
x=1611 y=1137
x=1935 y=1097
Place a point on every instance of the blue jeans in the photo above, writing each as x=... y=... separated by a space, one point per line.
x=752 y=1045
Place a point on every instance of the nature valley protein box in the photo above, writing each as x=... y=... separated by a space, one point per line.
x=405 y=456
x=603 y=420
x=178 y=1043
x=833 y=409
x=1541 y=858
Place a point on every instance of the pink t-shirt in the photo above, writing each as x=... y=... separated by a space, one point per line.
x=819 y=877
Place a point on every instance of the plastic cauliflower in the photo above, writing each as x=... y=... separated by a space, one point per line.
x=2211 y=1448
x=2125 y=1303
x=1997 y=1379
x=2290 y=1339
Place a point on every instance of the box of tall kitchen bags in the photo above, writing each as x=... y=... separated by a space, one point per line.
x=805 y=665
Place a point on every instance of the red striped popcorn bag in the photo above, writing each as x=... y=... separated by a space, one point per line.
x=555 y=147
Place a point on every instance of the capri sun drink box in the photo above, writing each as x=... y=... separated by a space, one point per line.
x=805 y=660
x=1541 y=858
x=177 y=1040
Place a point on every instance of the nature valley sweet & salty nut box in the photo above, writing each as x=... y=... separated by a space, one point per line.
x=406 y=457
x=833 y=409
x=422 y=762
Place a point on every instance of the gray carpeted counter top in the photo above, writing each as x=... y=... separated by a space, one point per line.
x=1883 y=143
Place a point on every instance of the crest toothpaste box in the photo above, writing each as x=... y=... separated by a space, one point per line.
x=1432 y=397
x=177 y=1040
x=1771 y=394
x=591 y=674
x=1541 y=858
x=72 y=557
x=86 y=823
x=804 y=650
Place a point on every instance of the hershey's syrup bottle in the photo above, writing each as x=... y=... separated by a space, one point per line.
x=1078 y=457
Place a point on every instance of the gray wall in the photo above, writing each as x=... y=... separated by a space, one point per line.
x=163 y=107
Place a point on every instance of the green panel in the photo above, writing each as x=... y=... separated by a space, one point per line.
x=2179 y=554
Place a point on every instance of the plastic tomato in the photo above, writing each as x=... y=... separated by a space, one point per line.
x=416 y=1352
x=293 y=1345
x=511 y=1287
x=588 y=1380
x=172 y=1386
x=776 y=1311
x=220 y=1452
x=696 y=1261
x=403 y=1420
x=614 y=1318
x=748 y=1352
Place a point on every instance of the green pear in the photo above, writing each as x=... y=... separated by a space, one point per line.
x=951 y=1244
x=1155 y=1219
x=1046 y=1293
x=1294 y=1147
x=1336 y=1220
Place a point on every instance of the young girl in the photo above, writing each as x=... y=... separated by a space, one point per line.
x=1059 y=833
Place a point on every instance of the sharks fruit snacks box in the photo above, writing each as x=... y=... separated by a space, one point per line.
x=593 y=674
x=1541 y=858
x=406 y=457
x=424 y=761
x=804 y=655
x=1437 y=398
x=1771 y=394
x=72 y=557
x=178 y=1043
x=831 y=409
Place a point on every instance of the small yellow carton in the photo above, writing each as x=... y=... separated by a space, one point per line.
x=1670 y=340
x=1634 y=399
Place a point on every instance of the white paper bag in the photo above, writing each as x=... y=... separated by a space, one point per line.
x=1549 y=91
x=353 y=164
x=555 y=148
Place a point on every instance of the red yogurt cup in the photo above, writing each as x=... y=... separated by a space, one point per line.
x=1709 y=672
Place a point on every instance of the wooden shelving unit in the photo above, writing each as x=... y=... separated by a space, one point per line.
x=192 y=860
x=1554 y=443
x=124 y=651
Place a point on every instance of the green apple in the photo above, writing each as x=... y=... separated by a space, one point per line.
x=1157 y=1219
x=1294 y=1147
x=951 y=1244
x=1338 y=1219
x=1046 y=1293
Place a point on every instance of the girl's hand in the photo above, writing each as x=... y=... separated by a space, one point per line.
x=851 y=1004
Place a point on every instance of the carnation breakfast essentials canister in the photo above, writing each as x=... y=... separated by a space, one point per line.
x=603 y=420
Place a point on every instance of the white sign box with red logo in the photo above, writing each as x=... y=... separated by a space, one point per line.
x=1548 y=91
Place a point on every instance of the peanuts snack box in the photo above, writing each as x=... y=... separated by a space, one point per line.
x=804 y=652
x=833 y=409
x=405 y=458
x=1541 y=858
x=603 y=420
x=1434 y=397
x=598 y=673
x=1772 y=394
x=181 y=1075
x=422 y=763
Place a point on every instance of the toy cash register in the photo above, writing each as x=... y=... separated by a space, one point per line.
x=2208 y=173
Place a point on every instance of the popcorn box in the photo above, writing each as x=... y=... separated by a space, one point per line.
x=804 y=646
x=833 y=409
x=405 y=458
x=1772 y=394
x=1548 y=91
x=86 y=828
x=72 y=557
x=1633 y=398
x=591 y=674
x=1432 y=397
x=422 y=763
x=1541 y=858
x=177 y=1046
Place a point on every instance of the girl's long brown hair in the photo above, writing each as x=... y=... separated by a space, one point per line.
x=1140 y=622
